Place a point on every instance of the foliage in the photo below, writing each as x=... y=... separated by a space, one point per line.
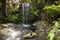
x=36 y=7
x=57 y=2
x=57 y=24
x=34 y=12
x=52 y=7
x=14 y=7
x=14 y=17
x=13 y=13
x=51 y=34
x=52 y=11
x=53 y=31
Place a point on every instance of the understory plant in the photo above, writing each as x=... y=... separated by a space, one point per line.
x=52 y=7
x=52 y=11
x=53 y=32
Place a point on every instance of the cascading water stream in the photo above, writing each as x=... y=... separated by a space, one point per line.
x=25 y=14
x=14 y=34
x=10 y=34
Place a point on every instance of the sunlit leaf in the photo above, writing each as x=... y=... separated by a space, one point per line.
x=57 y=24
x=51 y=34
x=52 y=7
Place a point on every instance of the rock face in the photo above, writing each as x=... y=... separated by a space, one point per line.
x=41 y=30
x=9 y=32
x=30 y=35
x=8 y=25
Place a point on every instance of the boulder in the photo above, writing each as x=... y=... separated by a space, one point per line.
x=10 y=34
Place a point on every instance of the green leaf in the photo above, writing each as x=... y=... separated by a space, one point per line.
x=52 y=7
x=57 y=24
x=51 y=34
x=36 y=13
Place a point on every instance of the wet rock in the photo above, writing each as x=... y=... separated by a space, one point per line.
x=41 y=29
x=30 y=35
x=9 y=25
x=10 y=34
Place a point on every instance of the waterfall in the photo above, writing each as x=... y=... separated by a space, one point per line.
x=13 y=35
x=25 y=14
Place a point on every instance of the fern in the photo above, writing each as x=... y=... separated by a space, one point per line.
x=52 y=32
x=52 y=7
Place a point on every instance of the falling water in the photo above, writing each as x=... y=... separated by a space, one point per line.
x=26 y=14
x=13 y=35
